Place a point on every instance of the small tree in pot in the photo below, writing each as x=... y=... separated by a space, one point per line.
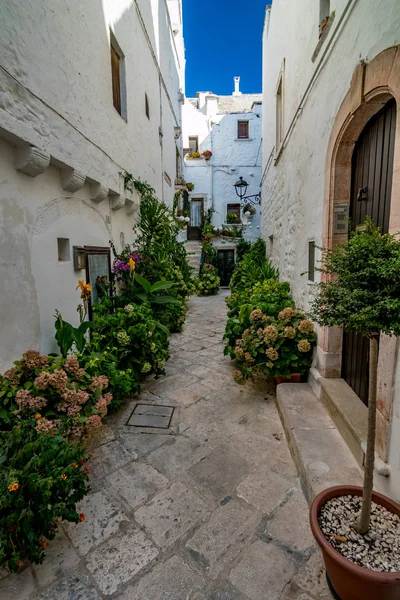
x=362 y=293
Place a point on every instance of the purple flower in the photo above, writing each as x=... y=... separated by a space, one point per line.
x=119 y=266
x=137 y=258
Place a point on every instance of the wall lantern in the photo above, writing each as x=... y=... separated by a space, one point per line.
x=241 y=189
x=79 y=258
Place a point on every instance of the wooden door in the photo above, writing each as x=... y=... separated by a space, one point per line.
x=372 y=170
x=226 y=263
x=196 y=219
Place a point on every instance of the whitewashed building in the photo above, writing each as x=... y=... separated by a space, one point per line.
x=331 y=77
x=88 y=91
x=230 y=127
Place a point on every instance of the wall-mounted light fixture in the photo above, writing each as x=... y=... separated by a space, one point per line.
x=241 y=189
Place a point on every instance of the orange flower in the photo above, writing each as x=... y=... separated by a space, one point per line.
x=75 y=465
x=13 y=487
x=132 y=264
x=43 y=543
x=85 y=288
x=38 y=416
x=64 y=477
x=82 y=517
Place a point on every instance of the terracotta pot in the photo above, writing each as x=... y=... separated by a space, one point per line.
x=294 y=378
x=349 y=581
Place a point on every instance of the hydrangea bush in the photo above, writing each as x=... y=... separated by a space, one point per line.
x=208 y=282
x=54 y=392
x=275 y=346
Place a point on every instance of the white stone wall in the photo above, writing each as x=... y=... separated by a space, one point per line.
x=56 y=96
x=293 y=185
x=214 y=179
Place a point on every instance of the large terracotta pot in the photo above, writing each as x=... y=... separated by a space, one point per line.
x=294 y=378
x=349 y=581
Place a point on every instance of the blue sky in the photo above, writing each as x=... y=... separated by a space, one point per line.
x=223 y=39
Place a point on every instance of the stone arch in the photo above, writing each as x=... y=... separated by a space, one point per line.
x=372 y=86
x=75 y=219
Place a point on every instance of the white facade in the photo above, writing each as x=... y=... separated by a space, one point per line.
x=65 y=148
x=315 y=81
x=213 y=120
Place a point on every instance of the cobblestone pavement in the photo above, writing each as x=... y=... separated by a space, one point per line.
x=208 y=509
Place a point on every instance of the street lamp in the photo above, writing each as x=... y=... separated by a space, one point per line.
x=241 y=189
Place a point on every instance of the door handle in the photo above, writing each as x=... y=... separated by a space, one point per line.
x=362 y=194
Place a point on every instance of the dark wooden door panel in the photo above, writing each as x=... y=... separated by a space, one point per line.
x=226 y=263
x=372 y=170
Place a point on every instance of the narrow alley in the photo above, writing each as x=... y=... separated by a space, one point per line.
x=209 y=508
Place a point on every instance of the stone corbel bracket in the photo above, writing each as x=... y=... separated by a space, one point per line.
x=71 y=179
x=98 y=192
x=32 y=161
x=117 y=200
x=132 y=202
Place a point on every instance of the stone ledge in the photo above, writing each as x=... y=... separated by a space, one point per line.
x=348 y=412
x=321 y=456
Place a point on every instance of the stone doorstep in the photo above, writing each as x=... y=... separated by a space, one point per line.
x=319 y=452
x=348 y=412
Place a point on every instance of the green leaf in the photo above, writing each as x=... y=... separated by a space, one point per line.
x=161 y=285
x=163 y=328
x=146 y=285
x=165 y=300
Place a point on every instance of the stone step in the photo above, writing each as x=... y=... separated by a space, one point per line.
x=322 y=457
x=348 y=413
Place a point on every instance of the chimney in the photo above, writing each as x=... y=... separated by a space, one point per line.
x=237 y=92
x=211 y=106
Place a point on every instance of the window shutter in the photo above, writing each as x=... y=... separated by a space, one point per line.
x=116 y=84
x=243 y=129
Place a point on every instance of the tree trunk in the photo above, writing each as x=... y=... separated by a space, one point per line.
x=363 y=522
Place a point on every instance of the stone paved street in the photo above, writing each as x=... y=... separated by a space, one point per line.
x=208 y=509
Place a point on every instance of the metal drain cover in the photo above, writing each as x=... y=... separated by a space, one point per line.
x=151 y=415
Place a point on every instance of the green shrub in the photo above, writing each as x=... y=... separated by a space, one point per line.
x=275 y=346
x=242 y=248
x=42 y=477
x=132 y=335
x=253 y=268
x=208 y=282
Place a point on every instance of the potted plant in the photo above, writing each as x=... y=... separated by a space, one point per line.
x=231 y=218
x=207 y=154
x=193 y=155
x=279 y=347
x=189 y=186
x=249 y=210
x=360 y=291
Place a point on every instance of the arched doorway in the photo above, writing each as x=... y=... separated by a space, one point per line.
x=371 y=188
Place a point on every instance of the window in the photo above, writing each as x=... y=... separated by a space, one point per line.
x=243 y=130
x=118 y=77
x=147 y=106
x=279 y=113
x=98 y=270
x=311 y=261
x=235 y=209
x=64 y=252
x=194 y=143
